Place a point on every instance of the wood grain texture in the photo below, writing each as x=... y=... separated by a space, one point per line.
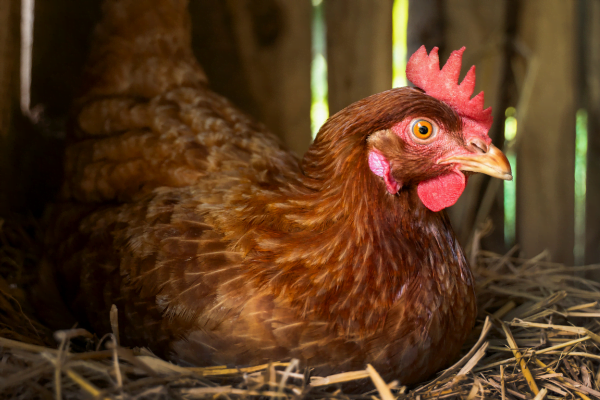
x=545 y=172
x=216 y=46
x=359 y=50
x=258 y=54
x=426 y=25
x=9 y=62
x=62 y=36
x=61 y=32
x=592 y=49
x=275 y=45
x=9 y=92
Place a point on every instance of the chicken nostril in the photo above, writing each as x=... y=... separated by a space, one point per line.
x=479 y=145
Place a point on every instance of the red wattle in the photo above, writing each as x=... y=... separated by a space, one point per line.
x=442 y=191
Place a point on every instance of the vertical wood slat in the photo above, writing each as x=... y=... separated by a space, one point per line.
x=214 y=41
x=62 y=36
x=546 y=131
x=274 y=39
x=359 y=49
x=9 y=61
x=426 y=25
x=480 y=27
x=9 y=91
x=62 y=30
x=592 y=49
x=258 y=54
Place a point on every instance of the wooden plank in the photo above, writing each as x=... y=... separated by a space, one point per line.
x=275 y=45
x=546 y=131
x=9 y=91
x=426 y=25
x=359 y=49
x=215 y=45
x=62 y=30
x=258 y=54
x=480 y=26
x=592 y=49
x=62 y=35
x=9 y=62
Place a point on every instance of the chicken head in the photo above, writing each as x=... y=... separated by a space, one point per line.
x=442 y=134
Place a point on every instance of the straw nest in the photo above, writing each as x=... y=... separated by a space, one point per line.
x=538 y=337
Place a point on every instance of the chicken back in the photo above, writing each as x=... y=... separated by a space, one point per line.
x=218 y=246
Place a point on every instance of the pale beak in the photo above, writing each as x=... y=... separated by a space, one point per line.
x=493 y=163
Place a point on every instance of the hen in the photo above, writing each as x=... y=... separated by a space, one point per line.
x=218 y=246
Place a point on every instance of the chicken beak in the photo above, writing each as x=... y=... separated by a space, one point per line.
x=493 y=163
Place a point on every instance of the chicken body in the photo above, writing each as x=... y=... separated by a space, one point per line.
x=219 y=247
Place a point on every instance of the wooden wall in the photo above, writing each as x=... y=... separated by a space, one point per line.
x=9 y=65
x=591 y=82
x=365 y=67
x=258 y=54
x=9 y=91
x=546 y=134
x=62 y=31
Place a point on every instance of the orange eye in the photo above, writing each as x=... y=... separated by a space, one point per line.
x=422 y=129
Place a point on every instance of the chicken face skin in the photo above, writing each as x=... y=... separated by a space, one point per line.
x=413 y=160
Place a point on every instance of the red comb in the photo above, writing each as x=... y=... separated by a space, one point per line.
x=424 y=72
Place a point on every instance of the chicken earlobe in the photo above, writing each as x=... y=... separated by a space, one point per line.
x=380 y=166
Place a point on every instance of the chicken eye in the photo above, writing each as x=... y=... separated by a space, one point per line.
x=422 y=129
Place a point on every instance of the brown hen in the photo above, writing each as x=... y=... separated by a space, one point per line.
x=219 y=247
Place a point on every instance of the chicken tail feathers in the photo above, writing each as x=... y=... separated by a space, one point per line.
x=128 y=136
